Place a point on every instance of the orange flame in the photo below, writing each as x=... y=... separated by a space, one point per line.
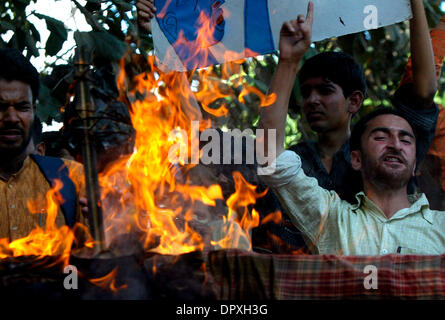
x=275 y=217
x=146 y=194
x=48 y=241
x=108 y=282
x=157 y=199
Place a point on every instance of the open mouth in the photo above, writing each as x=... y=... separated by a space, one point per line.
x=392 y=159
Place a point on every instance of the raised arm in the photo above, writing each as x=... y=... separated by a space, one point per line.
x=295 y=39
x=422 y=56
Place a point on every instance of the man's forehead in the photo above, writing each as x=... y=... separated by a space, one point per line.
x=389 y=121
x=317 y=81
x=15 y=90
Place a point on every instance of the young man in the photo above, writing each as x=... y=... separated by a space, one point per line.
x=385 y=219
x=22 y=177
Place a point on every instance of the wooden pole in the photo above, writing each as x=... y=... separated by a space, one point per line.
x=85 y=109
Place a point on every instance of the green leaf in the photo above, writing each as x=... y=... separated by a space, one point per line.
x=30 y=43
x=103 y=44
x=35 y=33
x=123 y=5
x=58 y=34
x=48 y=107
x=5 y=26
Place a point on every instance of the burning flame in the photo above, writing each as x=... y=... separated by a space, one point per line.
x=47 y=241
x=161 y=202
x=147 y=195
x=108 y=282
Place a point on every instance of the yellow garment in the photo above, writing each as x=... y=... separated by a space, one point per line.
x=337 y=227
x=29 y=187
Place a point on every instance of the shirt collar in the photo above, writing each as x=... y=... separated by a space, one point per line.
x=419 y=204
x=26 y=163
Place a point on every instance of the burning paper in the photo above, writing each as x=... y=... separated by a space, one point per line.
x=192 y=34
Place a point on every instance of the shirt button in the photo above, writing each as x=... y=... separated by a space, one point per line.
x=12 y=206
x=384 y=251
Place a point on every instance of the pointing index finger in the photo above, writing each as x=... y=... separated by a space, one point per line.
x=310 y=12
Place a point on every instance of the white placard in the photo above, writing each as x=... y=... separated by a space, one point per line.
x=256 y=24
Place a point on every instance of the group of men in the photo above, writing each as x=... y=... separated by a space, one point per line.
x=337 y=211
x=347 y=193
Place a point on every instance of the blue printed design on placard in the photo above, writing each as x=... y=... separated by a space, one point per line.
x=258 y=34
x=181 y=17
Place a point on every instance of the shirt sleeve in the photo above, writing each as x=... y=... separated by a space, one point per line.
x=311 y=208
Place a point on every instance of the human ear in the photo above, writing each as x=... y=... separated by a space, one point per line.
x=356 y=160
x=355 y=101
x=41 y=148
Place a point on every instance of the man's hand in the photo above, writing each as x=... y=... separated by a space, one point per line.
x=146 y=11
x=296 y=35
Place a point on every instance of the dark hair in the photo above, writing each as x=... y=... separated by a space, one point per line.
x=338 y=67
x=14 y=66
x=54 y=144
x=360 y=126
x=36 y=133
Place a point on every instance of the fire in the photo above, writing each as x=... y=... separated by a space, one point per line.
x=239 y=220
x=275 y=217
x=108 y=282
x=146 y=194
x=47 y=241
x=156 y=197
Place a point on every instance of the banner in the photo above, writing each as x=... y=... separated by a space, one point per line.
x=190 y=34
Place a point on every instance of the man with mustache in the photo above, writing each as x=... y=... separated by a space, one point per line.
x=385 y=219
x=384 y=148
x=26 y=179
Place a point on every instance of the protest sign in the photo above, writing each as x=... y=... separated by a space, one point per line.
x=190 y=34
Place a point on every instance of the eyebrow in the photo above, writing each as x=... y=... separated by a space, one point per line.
x=20 y=103
x=317 y=86
x=388 y=131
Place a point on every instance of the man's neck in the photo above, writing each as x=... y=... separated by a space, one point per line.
x=10 y=166
x=388 y=200
x=329 y=143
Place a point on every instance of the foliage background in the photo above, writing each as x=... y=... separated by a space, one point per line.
x=383 y=53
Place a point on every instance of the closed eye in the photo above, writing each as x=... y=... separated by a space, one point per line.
x=406 y=141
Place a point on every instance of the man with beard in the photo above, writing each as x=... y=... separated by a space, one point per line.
x=386 y=219
x=26 y=179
